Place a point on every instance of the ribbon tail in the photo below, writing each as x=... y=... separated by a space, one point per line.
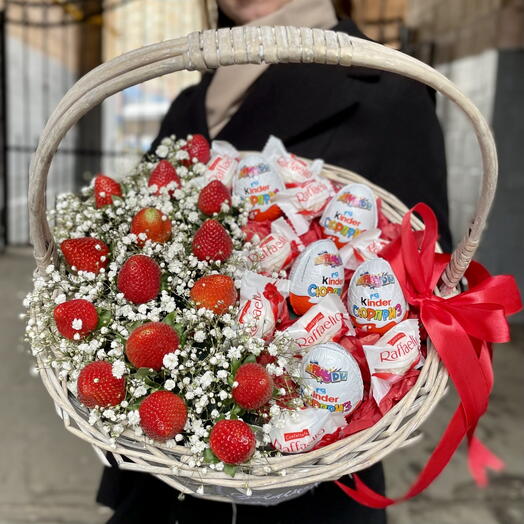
x=480 y=458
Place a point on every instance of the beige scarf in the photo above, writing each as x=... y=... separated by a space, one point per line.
x=229 y=85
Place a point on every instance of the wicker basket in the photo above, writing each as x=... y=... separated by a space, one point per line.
x=280 y=478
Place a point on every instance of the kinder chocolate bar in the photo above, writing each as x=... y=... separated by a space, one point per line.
x=331 y=379
x=364 y=247
x=261 y=302
x=223 y=163
x=292 y=169
x=375 y=299
x=326 y=321
x=392 y=356
x=352 y=211
x=300 y=431
x=304 y=201
x=258 y=182
x=278 y=249
x=317 y=272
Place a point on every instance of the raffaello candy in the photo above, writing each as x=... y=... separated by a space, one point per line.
x=262 y=302
x=351 y=211
x=375 y=299
x=299 y=431
x=326 y=321
x=278 y=249
x=317 y=272
x=365 y=246
x=331 y=379
x=258 y=182
x=305 y=201
x=223 y=163
x=292 y=169
x=392 y=356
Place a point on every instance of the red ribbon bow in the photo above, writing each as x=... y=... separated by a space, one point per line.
x=461 y=329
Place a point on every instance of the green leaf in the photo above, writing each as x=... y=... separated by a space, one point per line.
x=230 y=470
x=237 y=411
x=209 y=457
x=230 y=380
x=235 y=365
x=104 y=317
x=144 y=373
x=169 y=319
x=250 y=359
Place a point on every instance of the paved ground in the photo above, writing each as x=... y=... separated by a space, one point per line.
x=49 y=477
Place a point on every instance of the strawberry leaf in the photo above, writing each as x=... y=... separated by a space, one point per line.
x=209 y=457
x=230 y=469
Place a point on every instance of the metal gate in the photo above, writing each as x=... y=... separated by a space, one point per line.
x=46 y=45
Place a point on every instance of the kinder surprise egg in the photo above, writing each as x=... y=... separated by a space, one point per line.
x=331 y=379
x=351 y=211
x=317 y=272
x=375 y=299
x=258 y=182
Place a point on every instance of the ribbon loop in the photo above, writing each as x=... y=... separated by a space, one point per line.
x=461 y=329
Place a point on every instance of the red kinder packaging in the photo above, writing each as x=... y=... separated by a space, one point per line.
x=262 y=303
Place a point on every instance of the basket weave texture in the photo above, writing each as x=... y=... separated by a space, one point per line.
x=270 y=480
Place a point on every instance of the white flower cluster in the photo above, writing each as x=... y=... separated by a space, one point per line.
x=200 y=370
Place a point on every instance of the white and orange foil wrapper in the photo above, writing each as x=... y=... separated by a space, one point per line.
x=375 y=299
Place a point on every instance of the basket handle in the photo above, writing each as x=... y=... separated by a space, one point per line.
x=249 y=45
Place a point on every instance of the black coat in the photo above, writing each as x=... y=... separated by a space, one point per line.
x=377 y=124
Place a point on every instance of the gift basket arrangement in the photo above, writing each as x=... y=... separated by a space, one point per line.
x=246 y=325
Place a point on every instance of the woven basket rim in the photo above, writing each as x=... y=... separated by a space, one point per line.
x=395 y=429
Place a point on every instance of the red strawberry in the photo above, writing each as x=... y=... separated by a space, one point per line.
x=75 y=319
x=139 y=279
x=97 y=386
x=255 y=386
x=232 y=441
x=212 y=242
x=197 y=147
x=162 y=415
x=85 y=254
x=153 y=223
x=149 y=343
x=212 y=197
x=214 y=292
x=105 y=189
x=163 y=174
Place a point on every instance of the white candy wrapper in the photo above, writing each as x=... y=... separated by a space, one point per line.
x=352 y=211
x=257 y=181
x=375 y=298
x=300 y=431
x=223 y=163
x=331 y=379
x=304 y=201
x=292 y=169
x=317 y=272
x=392 y=356
x=279 y=249
x=261 y=302
x=364 y=247
x=324 y=322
